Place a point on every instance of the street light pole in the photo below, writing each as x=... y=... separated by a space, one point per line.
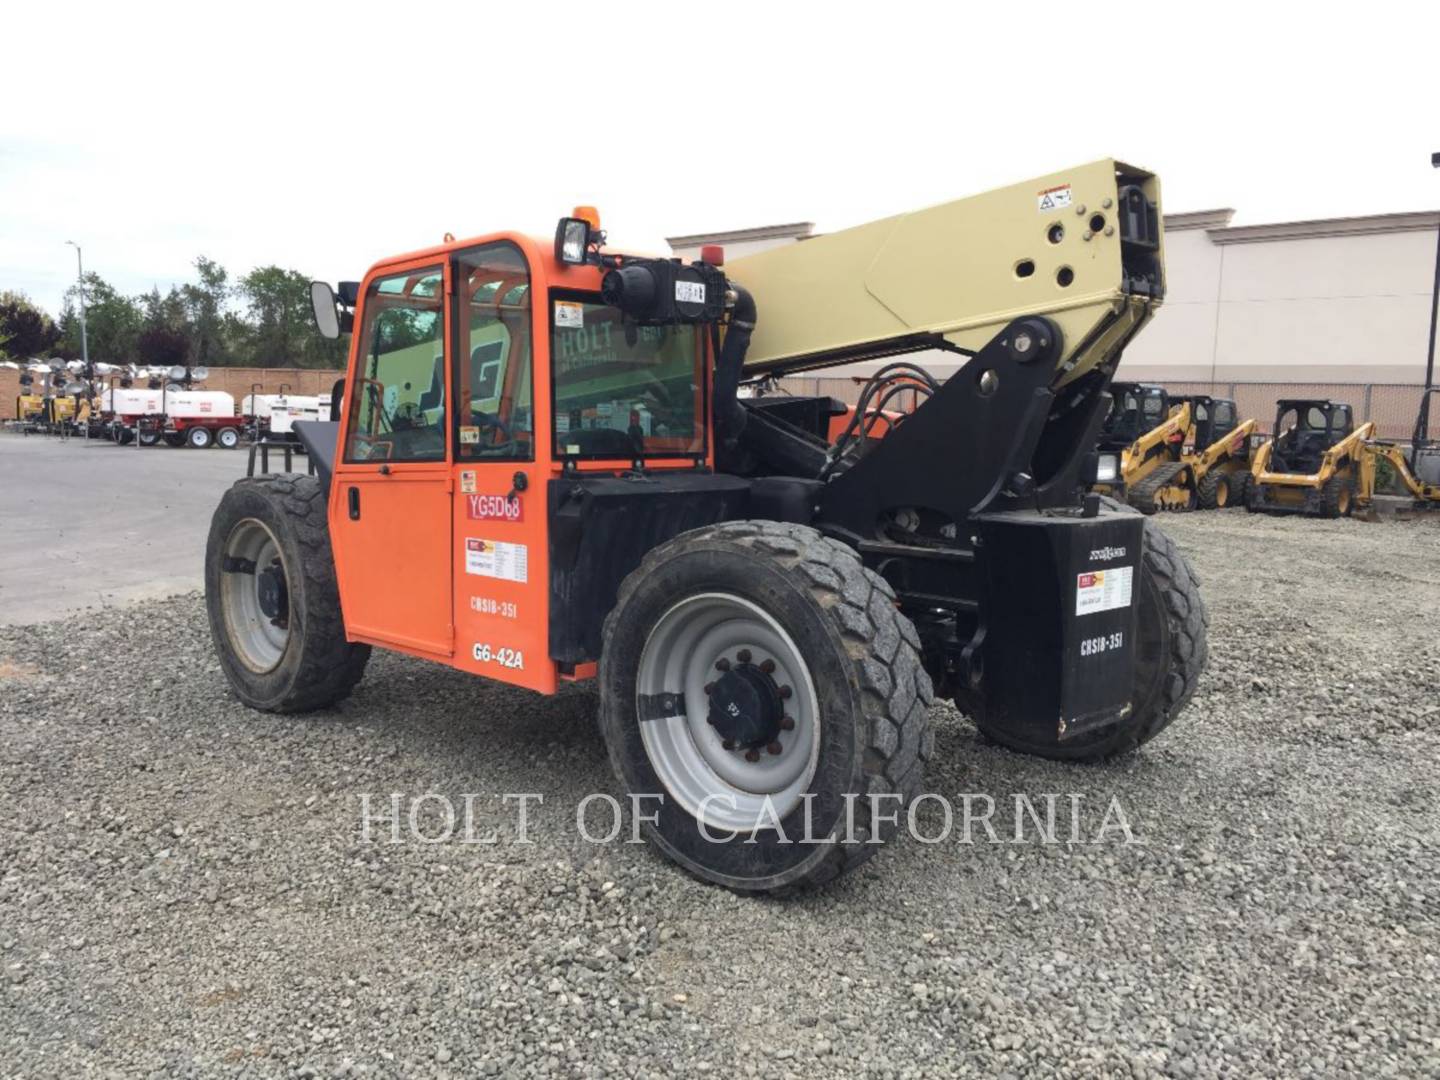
x=1422 y=432
x=80 y=277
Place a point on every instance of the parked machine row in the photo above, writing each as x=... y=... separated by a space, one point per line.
x=1185 y=452
x=174 y=413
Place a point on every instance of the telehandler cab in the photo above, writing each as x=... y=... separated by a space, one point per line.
x=1142 y=449
x=542 y=472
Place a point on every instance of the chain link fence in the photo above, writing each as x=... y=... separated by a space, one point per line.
x=1391 y=405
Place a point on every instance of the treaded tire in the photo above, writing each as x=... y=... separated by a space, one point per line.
x=318 y=667
x=863 y=658
x=199 y=438
x=1218 y=485
x=1172 y=649
x=1337 y=496
x=1240 y=488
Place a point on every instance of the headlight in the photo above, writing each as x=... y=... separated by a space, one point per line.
x=1107 y=468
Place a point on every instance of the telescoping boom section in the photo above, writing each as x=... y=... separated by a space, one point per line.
x=1080 y=247
x=541 y=468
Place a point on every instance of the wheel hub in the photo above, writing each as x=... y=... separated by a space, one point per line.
x=746 y=708
x=272 y=594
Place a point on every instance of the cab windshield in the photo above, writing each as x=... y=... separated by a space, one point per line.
x=624 y=391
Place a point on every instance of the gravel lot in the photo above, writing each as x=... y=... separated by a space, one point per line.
x=184 y=888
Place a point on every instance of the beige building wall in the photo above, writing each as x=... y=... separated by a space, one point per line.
x=1345 y=300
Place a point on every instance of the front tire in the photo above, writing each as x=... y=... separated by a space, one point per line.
x=227 y=438
x=1337 y=496
x=735 y=615
x=1170 y=635
x=199 y=437
x=272 y=599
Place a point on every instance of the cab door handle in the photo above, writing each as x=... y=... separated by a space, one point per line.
x=354 y=498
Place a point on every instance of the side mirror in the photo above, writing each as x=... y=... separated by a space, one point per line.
x=327 y=314
x=337 y=399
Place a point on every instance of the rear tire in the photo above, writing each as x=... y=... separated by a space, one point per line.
x=149 y=438
x=175 y=439
x=848 y=657
x=199 y=438
x=1220 y=490
x=1170 y=636
x=227 y=438
x=290 y=654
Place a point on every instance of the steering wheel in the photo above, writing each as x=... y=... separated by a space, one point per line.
x=492 y=422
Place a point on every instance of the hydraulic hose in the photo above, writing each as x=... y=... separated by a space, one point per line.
x=730 y=415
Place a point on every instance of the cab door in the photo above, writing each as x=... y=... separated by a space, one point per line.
x=390 y=501
x=501 y=561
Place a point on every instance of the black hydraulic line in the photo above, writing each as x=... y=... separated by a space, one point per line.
x=887 y=375
x=730 y=415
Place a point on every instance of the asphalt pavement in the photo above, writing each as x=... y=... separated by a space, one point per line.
x=88 y=524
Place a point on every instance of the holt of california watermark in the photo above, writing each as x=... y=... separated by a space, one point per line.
x=1049 y=818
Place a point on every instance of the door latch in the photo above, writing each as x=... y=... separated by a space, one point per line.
x=518 y=483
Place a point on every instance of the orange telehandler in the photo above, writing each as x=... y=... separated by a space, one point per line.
x=540 y=471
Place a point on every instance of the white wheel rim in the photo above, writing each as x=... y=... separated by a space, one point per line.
x=719 y=787
x=259 y=642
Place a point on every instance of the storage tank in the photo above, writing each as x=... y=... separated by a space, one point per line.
x=198 y=404
x=131 y=402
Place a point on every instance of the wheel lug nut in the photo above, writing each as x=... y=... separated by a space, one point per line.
x=752 y=755
x=728 y=744
x=767 y=666
x=785 y=693
x=743 y=656
x=722 y=664
x=787 y=723
x=774 y=747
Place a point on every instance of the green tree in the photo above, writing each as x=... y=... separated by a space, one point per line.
x=112 y=322
x=162 y=346
x=278 y=302
x=25 y=330
x=164 y=312
x=205 y=302
x=282 y=331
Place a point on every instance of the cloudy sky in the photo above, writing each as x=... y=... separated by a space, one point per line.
x=326 y=136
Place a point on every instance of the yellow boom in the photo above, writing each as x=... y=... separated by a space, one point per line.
x=1082 y=246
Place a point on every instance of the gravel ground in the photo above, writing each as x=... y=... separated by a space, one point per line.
x=185 y=889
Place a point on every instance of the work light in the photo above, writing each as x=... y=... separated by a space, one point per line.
x=572 y=239
x=1107 y=468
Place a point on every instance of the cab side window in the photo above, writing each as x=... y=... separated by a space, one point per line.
x=397 y=407
x=495 y=413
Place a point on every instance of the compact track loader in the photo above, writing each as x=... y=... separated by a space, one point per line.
x=1218 y=452
x=1312 y=464
x=1142 y=446
x=542 y=472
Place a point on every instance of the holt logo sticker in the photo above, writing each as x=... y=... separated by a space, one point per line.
x=494 y=508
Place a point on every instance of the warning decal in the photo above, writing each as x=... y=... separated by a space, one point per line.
x=1055 y=198
x=569 y=314
x=490 y=558
x=1103 y=590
